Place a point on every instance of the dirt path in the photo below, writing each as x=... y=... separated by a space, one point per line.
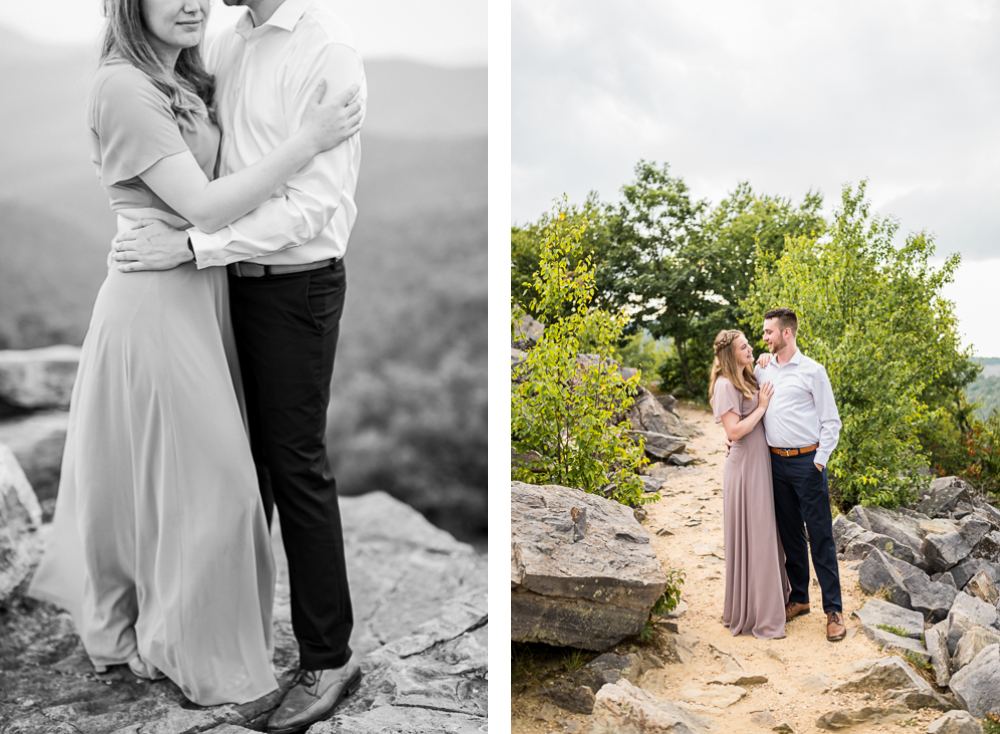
x=696 y=494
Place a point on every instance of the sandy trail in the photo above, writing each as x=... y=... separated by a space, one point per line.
x=695 y=493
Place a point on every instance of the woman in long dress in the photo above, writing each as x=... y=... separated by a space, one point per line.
x=756 y=584
x=160 y=547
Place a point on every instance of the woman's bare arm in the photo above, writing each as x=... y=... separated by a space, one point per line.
x=211 y=205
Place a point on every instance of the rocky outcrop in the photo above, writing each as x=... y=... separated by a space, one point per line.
x=420 y=632
x=577 y=691
x=658 y=447
x=977 y=685
x=588 y=587
x=20 y=520
x=649 y=414
x=38 y=379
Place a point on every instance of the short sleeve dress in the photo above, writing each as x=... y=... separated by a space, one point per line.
x=756 y=585
x=160 y=546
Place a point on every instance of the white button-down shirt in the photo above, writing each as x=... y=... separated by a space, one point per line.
x=264 y=78
x=802 y=410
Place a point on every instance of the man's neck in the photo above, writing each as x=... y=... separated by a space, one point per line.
x=262 y=10
x=785 y=353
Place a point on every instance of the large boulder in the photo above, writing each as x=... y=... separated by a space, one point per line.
x=38 y=379
x=877 y=612
x=844 y=531
x=974 y=526
x=988 y=548
x=903 y=528
x=942 y=495
x=931 y=598
x=648 y=414
x=20 y=519
x=658 y=446
x=878 y=575
x=944 y=550
x=37 y=441
x=963 y=572
x=884 y=674
x=955 y=722
x=971 y=644
x=859 y=546
x=968 y=612
x=936 y=639
x=587 y=585
x=977 y=685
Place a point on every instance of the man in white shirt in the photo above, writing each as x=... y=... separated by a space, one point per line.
x=287 y=287
x=802 y=427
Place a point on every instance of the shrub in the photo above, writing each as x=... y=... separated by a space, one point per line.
x=563 y=409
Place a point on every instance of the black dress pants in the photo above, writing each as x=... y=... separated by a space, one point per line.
x=802 y=495
x=286 y=329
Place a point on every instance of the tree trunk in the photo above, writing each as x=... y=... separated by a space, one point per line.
x=679 y=345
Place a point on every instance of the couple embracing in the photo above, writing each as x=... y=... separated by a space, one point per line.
x=200 y=400
x=781 y=425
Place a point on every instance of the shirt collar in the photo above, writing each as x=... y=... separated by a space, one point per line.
x=796 y=358
x=285 y=17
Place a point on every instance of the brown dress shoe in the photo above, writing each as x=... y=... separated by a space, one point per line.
x=313 y=697
x=835 y=629
x=794 y=609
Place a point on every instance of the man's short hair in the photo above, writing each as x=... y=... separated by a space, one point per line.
x=786 y=319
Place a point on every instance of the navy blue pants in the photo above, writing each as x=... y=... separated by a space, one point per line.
x=802 y=497
x=286 y=329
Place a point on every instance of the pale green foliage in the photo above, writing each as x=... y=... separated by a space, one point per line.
x=873 y=316
x=563 y=411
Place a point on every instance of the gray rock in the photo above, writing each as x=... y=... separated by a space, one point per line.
x=681 y=459
x=900 y=527
x=576 y=691
x=977 y=685
x=877 y=612
x=651 y=484
x=974 y=526
x=965 y=570
x=895 y=643
x=861 y=545
x=658 y=446
x=925 y=699
x=955 y=722
x=878 y=575
x=947 y=579
x=844 y=718
x=37 y=441
x=930 y=598
x=971 y=644
x=968 y=612
x=527 y=333
x=38 y=379
x=764 y=719
x=942 y=495
x=20 y=520
x=944 y=550
x=815 y=684
x=936 y=640
x=844 y=531
x=988 y=548
x=884 y=674
x=987 y=510
x=668 y=401
x=590 y=594
x=981 y=586
x=623 y=707
x=648 y=414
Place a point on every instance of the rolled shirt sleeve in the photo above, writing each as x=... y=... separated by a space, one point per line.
x=307 y=205
x=829 y=417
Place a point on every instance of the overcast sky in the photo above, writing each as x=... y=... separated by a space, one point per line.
x=789 y=96
x=442 y=32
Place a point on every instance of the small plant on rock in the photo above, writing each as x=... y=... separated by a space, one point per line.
x=666 y=603
x=898 y=631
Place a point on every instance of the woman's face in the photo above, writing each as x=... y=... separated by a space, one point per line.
x=173 y=25
x=742 y=350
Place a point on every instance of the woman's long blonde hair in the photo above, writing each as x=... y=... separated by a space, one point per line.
x=725 y=365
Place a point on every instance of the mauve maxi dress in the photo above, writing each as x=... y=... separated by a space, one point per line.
x=756 y=585
x=159 y=547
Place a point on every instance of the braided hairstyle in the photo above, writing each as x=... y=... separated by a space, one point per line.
x=725 y=365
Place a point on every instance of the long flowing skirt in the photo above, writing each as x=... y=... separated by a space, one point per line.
x=160 y=548
x=756 y=583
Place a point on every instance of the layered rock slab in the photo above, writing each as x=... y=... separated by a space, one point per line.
x=587 y=590
x=977 y=685
x=38 y=379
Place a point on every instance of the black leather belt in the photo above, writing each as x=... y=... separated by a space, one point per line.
x=253 y=270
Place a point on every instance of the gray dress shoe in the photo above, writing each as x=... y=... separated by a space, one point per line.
x=314 y=697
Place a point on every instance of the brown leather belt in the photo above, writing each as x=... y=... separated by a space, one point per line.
x=253 y=270
x=794 y=452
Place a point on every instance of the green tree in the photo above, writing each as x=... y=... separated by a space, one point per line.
x=563 y=407
x=872 y=314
